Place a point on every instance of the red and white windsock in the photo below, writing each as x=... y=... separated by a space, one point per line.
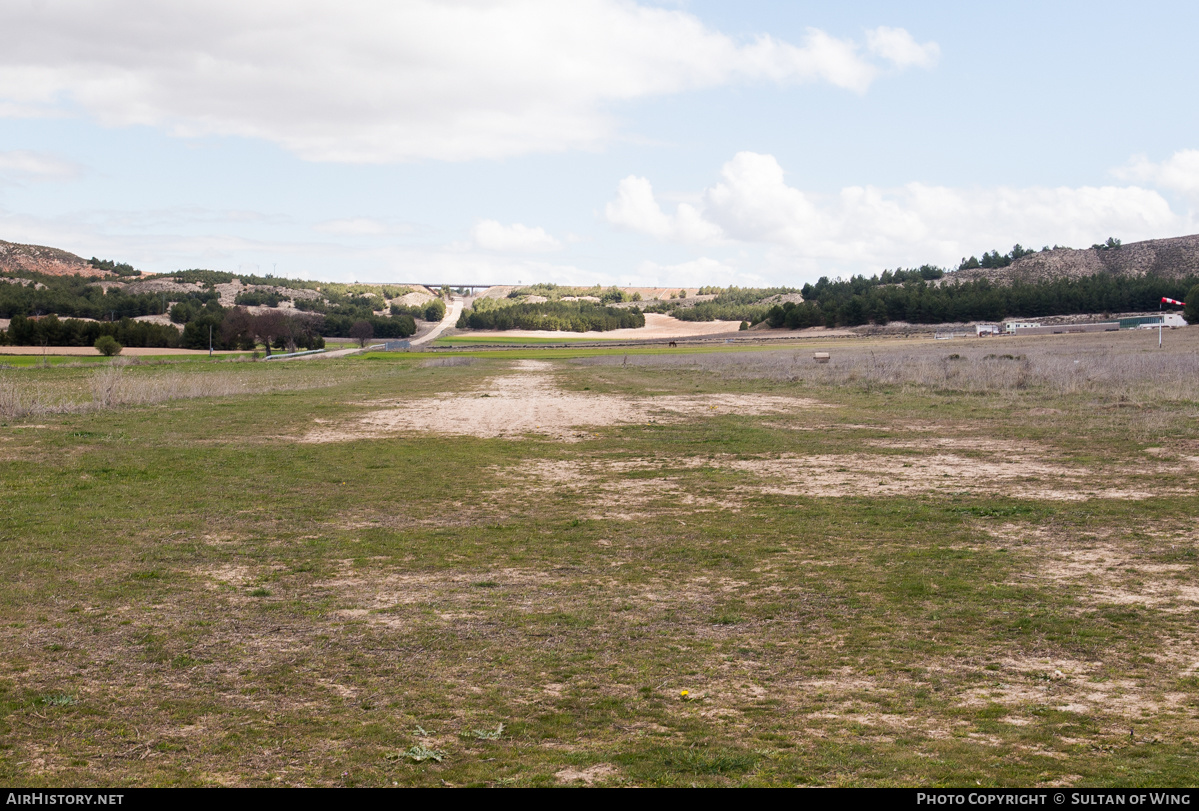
x=1172 y=301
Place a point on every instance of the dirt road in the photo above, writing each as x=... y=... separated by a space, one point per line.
x=451 y=318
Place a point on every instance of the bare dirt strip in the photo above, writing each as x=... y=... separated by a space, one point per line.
x=530 y=402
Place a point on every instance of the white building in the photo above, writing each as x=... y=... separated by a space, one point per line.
x=1012 y=326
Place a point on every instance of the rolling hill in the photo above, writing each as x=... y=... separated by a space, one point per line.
x=1172 y=258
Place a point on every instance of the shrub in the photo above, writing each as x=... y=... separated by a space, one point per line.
x=1191 y=311
x=435 y=310
x=259 y=298
x=107 y=346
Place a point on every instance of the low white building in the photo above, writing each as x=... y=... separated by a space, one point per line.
x=1012 y=326
x=986 y=329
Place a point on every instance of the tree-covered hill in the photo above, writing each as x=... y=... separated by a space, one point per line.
x=1173 y=258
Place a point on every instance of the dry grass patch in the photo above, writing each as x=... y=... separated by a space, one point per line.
x=619 y=487
x=839 y=475
x=126 y=382
x=1106 y=570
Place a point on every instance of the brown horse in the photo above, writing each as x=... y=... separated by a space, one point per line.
x=674 y=344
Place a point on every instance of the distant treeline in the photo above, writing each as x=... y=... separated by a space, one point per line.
x=730 y=304
x=65 y=299
x=569 y=316
x=554 y=292
x=433 y=311
x=857 y=301
x=238 y=328
x=79 y=297
x=50 y=331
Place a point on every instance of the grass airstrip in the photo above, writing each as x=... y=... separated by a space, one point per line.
x=952 y=563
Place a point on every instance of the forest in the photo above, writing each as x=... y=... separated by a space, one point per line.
x=857 y=301
x=568 y=316
x=50 y=310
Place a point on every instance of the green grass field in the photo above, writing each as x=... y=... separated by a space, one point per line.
x=917 y=565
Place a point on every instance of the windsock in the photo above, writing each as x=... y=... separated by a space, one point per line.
x=1172 y=301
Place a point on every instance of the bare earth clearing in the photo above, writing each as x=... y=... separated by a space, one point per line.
x=529 y=402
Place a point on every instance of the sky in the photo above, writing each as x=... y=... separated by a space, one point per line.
x=592 y=141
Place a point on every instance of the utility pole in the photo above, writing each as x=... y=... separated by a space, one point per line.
x=210 y=340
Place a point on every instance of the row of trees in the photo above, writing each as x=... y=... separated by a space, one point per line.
x=233 y=328
x=995 y=259
x=730 y=304
x=238 y=328
x=80 y=297
x=433 y=311
x=241 y=329
x=555 y=292
x=260 y=298
x=51 y=331
x=569 y=316
x=843 y=303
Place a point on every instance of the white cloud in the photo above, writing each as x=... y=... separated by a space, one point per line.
x=24 y=164
x=1179 y=172
x=492 y=236
x=636 y=210
x=866 y=228
x=379 y=81
x=897 y=47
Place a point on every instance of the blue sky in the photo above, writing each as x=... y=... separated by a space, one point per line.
x=591 y=141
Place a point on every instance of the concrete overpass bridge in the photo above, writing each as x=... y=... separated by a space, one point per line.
x=471 y=287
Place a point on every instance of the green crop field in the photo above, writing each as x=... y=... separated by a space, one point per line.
x=962 y=563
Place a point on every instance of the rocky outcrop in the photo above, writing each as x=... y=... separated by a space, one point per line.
x=16 y=258
x=1173 y=258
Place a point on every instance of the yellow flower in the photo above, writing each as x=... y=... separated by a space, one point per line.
x=685 y=693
